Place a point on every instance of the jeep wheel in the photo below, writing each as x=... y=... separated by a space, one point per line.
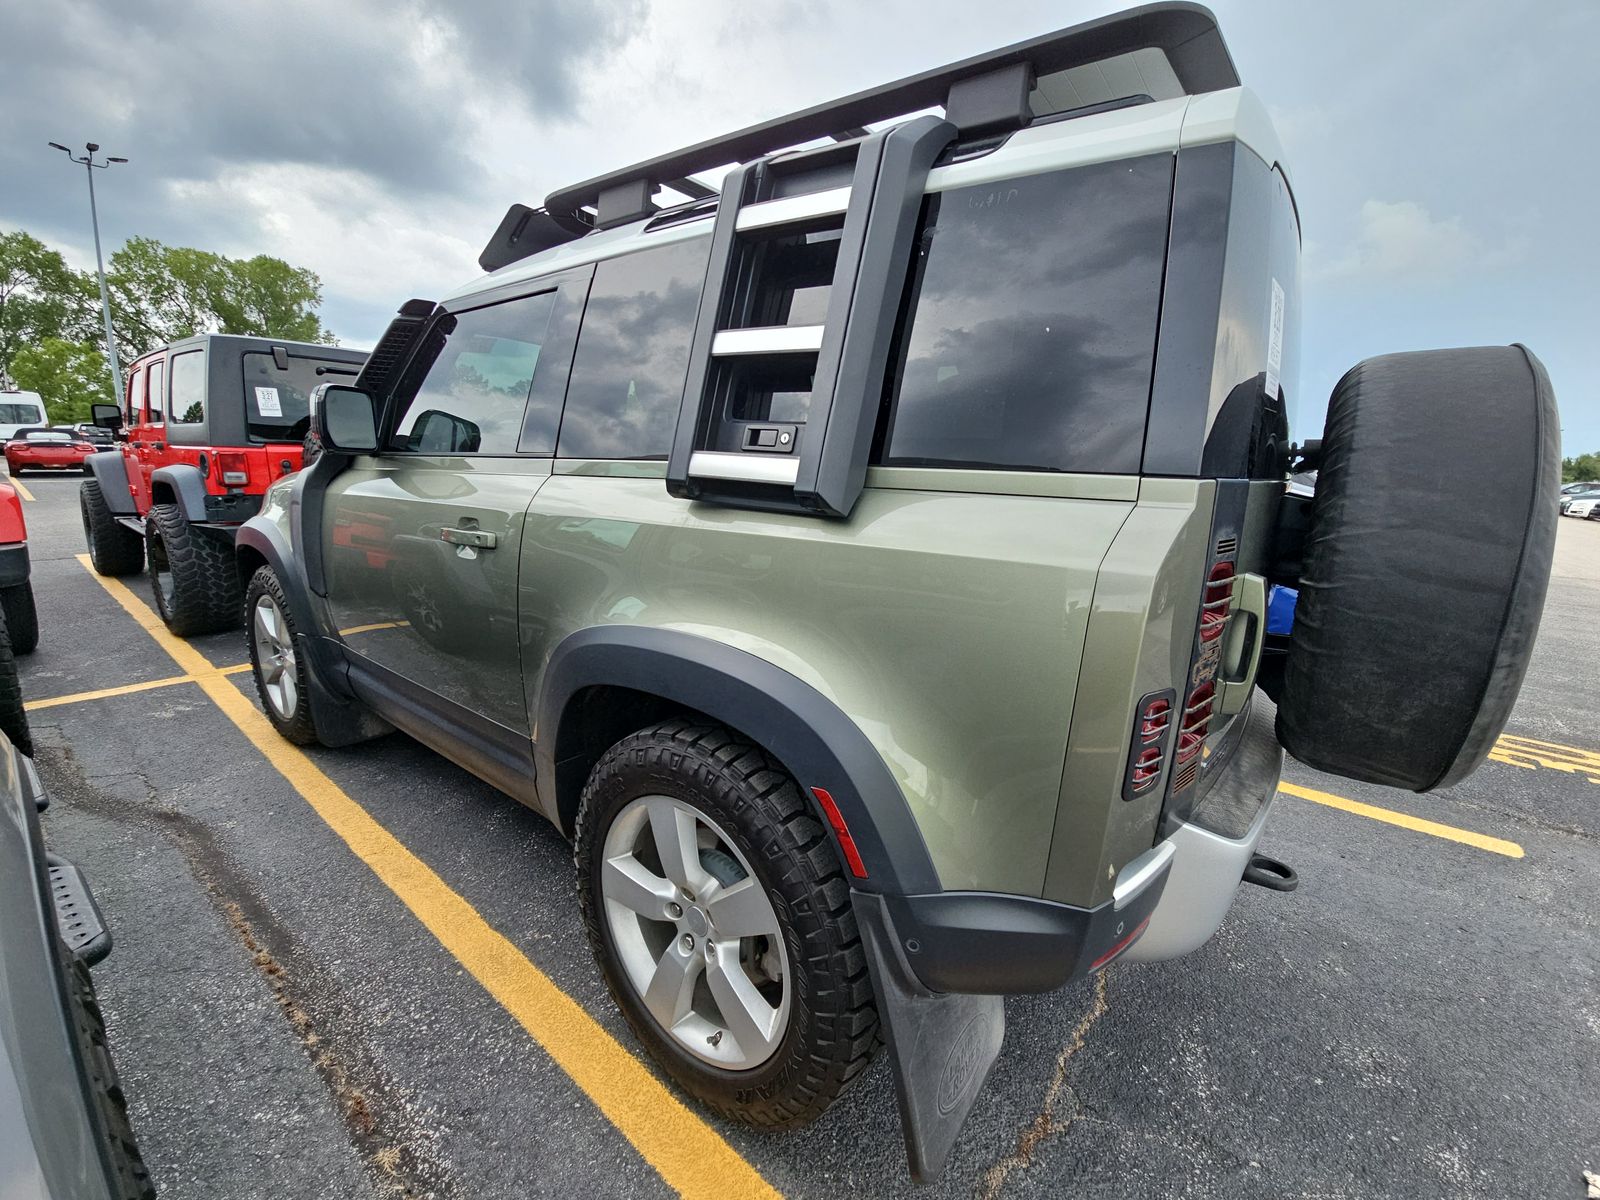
x=13 y=716
x=275 y=660
x=721 y=920
x=22 y=619
x=191 y=574
x=113 y=548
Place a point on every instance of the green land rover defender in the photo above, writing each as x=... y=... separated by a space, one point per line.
x=866 y=562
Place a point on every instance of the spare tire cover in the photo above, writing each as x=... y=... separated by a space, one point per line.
x=1432 y=530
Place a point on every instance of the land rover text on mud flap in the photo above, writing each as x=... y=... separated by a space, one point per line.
x=205 y=425
x=867 y=564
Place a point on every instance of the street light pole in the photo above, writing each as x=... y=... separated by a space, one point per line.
x=90 y=167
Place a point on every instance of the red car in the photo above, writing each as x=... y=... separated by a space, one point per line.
x=47 y=450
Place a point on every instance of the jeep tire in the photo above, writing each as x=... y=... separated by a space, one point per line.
x=22 y=619
x=192 y=575
x=114 y=549
x=749 y=821
x=13 y=716
x=275 y=659
x=1432 y=532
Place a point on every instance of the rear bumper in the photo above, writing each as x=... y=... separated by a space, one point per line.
x=988 y=943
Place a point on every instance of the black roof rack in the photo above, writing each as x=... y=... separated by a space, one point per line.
x=1187 y=33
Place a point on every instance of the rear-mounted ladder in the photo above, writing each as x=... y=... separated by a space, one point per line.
x=747 y=434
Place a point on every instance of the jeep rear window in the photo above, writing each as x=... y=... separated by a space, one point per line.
x=278 y=403
x=1030 y=323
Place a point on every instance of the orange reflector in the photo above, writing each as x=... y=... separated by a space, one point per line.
x=846 y=842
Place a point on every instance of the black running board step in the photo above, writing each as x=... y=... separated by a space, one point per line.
x=77 y=915
x=944 y=1045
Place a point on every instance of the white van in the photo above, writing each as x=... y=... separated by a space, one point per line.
x=18 y=410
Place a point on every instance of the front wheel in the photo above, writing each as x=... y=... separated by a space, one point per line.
x=13 y=714
x=721 y=919
x=275 y=659
x=192 y=575
x=114 y=549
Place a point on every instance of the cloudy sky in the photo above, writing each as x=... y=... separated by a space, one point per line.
x=1442 y=151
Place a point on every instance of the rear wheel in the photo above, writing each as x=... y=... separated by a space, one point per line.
x=721 y=920
x=274 y=657
x=114 y=549
x=22 y=619
x=192 y=574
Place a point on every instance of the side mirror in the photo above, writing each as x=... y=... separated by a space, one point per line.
x=438 y=432
x=106 y=416
x=346 y=418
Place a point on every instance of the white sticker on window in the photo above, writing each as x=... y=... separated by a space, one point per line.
x=1275 y=341
x=267 y=403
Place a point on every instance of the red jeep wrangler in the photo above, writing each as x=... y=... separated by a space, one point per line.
x=205 y=425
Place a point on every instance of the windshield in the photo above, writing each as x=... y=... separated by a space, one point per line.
x=277 y=403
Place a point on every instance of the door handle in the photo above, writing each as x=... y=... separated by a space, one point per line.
x=469 y=537
x=1245 y=639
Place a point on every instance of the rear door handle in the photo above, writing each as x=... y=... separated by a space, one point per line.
x=477 y=538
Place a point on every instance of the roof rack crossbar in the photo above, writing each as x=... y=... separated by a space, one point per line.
x=1186 y=33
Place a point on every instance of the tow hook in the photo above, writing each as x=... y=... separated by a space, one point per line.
x=1270 y=873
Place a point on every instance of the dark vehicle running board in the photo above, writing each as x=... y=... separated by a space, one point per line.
x=77 y=916
x=944 y=1044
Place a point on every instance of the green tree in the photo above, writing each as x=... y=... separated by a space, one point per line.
x=40 y=296
x=160 y=293
x=69 y=377
x=1581 y=468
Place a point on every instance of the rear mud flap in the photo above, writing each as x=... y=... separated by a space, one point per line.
x=943 y=1045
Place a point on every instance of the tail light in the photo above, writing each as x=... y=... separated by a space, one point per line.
x=1199 y=706
x=1152 y=727
x=233 y=467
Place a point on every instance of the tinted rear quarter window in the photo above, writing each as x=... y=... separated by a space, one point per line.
x=633 y=353
x=1030 y=324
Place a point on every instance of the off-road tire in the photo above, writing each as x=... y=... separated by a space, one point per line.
x=204 y=584
x=22 y=619
x=114 y=549
x=13 y=716
x=299 y=727
x=833 y=1027
x=129 y=1176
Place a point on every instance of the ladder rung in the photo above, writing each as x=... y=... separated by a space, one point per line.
x=768 y=339
x=791 y=210
x=749 y=468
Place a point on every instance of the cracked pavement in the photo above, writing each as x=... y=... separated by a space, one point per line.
x=1420 y=1018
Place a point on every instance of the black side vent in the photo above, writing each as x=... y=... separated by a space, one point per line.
x=1227 y=546
x=1186 y=776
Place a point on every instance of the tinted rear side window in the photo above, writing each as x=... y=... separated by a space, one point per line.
x=633 y=353
x=1031 y=322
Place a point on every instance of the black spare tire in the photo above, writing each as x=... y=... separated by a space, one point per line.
x=1426 y=565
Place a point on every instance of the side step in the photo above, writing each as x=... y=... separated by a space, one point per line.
x=944 y=1045
x=77 y=916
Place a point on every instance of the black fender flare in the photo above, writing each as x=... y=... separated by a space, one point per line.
x=340 y=719
x=110 y=471
x=802 y=728
x=188 y=486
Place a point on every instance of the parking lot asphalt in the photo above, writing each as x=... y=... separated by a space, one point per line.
x=362 y=972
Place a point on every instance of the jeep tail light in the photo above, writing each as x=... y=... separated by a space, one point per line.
x=233 y=467
x=1147 y=756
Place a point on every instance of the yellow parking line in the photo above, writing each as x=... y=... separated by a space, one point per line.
x=128 y=689
x=1406 y=821
x=21 y=490
x=689 y=1155
x=1530 y=754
